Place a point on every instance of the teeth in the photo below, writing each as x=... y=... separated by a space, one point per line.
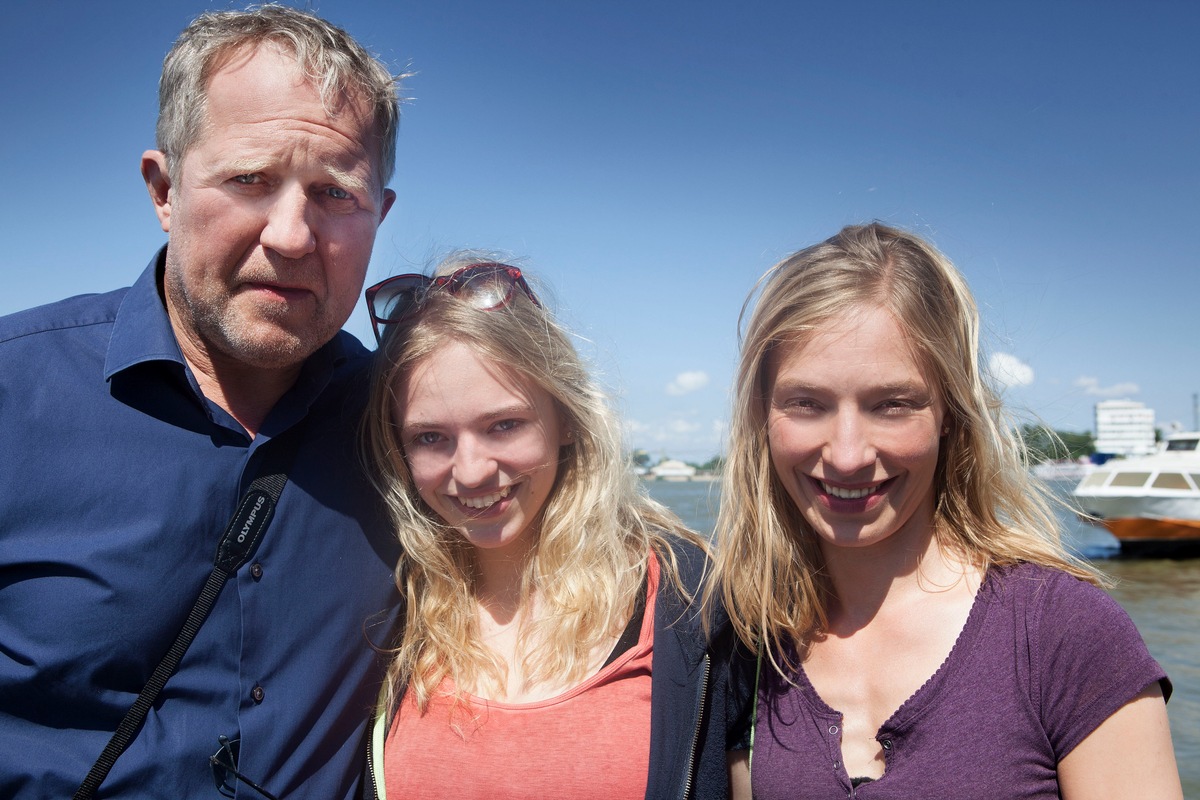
x=847 y=494
x=486 y=500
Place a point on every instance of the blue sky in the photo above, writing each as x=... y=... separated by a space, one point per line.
x=647 y=161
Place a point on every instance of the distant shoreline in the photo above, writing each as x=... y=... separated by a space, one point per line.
x=699 y=477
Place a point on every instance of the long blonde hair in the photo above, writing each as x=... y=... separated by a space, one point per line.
x=596 y=531
x=768 y=567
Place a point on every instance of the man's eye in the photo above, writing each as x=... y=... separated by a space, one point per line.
x=338 y=194
x=245 y=179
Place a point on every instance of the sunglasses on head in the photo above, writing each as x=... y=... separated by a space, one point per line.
x=486 y=286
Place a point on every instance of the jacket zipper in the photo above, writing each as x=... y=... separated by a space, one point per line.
x=691 y=762
x=374 y=790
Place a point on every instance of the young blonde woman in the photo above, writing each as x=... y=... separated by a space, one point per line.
x=550 y=647
x=916 y=627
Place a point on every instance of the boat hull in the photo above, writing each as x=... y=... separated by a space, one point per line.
x=1177 y=538
x=1136 y=518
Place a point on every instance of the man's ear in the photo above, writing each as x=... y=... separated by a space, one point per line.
x=389 y=197
x=158 y=184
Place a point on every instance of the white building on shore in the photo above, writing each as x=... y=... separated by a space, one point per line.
x=1124 y=428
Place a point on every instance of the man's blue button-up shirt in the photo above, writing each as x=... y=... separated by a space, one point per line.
x=117 y=478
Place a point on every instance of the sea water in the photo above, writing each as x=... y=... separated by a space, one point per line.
x=1161 y=595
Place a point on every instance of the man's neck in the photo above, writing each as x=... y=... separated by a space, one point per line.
x=247 y=392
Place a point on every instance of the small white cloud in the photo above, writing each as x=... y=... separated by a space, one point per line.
x=1009 y=370
x=1092 y=386
x=682 y=426
x=687 y=382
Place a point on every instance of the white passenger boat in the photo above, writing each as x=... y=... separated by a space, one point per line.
x=1150 y=503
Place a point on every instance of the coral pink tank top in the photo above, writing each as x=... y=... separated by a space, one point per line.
x=592 y=741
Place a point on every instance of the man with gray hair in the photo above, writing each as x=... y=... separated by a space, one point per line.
x=133 y=424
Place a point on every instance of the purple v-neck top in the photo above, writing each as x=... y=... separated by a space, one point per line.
x=1043 y=659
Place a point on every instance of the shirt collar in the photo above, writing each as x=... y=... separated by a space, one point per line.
x=142 y=330
x=142 y=333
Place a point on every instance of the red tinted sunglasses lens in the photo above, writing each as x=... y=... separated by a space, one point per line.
x=394 y=298
x=485 y=287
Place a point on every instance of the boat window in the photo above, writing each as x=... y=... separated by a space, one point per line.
x=1095 y=479
x=1187 y=445
x=1171 y=480
x=1130 y=479
x=1195 y=480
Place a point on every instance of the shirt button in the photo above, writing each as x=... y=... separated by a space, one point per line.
x=256 y=571
x=258 y=694
x=887 y=744
x=833 y=729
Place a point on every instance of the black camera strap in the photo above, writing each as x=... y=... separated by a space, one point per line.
x=239 y=542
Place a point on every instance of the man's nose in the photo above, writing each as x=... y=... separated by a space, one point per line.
x=289 y=230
